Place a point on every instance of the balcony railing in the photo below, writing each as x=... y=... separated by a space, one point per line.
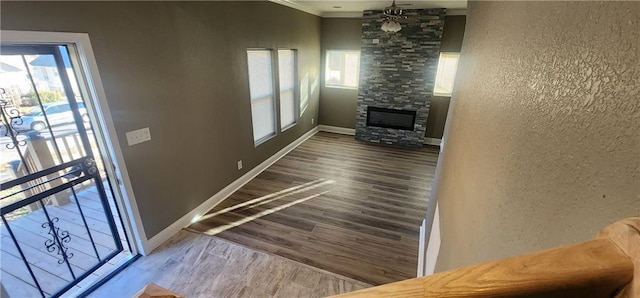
x=55 y=229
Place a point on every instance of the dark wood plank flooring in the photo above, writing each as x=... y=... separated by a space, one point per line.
x=336 y=204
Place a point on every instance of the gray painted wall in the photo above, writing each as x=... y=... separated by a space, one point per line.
x=453 y=33
x=338 y=106
x=180 y=68
x=542 y=145
x=437 y=116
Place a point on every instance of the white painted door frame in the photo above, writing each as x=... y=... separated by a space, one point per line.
x=88 y=77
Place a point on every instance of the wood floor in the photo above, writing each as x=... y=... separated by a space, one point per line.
x=336 y=204
x=198 y=266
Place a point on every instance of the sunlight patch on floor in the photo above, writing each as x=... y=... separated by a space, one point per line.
x=270 y=197
x=265 y=200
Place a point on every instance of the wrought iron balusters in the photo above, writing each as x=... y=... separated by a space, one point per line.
x=57 y=245
x=10 y=118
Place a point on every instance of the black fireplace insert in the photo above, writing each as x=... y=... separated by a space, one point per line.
x=391 y=118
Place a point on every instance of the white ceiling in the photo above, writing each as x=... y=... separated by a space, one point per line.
x=354 y=8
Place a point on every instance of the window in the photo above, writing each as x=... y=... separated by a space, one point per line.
x=262 y=94
x=264 y=99
x=343 y=69
x=287 y=82
x=446 y=75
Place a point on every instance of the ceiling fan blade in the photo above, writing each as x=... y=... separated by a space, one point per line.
x=382 y=17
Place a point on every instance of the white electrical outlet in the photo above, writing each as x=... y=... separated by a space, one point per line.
x=239 y=164
x=312 y=120
x=138 y=136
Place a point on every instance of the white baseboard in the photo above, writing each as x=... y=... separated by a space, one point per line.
x=351 y=132
x=432 y=141
x=199 y=211
x=428 y=256
x=336 y=129
x=422 y=249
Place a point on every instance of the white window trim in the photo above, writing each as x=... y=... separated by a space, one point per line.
x=341 y=87
x=289 y=126
x=298 y=111
x=104 y=128
x=264 y=139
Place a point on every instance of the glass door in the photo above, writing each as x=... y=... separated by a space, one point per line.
x=59 y=222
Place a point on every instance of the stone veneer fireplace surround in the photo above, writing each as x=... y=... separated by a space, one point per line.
x=397 y=71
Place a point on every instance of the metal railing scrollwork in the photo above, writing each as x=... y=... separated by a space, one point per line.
x=10 y=117
x=59 y=238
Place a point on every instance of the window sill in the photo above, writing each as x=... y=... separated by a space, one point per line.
x=263 y=140
x=341 y=87
x=288 y=126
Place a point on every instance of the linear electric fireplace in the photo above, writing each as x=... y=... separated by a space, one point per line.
x=391 y=118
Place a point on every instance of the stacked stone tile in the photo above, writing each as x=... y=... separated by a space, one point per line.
x=398 y=72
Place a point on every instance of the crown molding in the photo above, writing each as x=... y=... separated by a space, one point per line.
x=355 y=14
x=342 y=14
x=297 y=6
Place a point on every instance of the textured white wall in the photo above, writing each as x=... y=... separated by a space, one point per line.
x=543 y=144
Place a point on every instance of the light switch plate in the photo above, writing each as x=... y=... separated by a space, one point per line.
x=138 y=136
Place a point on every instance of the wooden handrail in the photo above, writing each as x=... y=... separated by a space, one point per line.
x=626 y=235
x=603 y=267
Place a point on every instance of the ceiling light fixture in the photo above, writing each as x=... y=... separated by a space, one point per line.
x=391 y=16
x=391 y=26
